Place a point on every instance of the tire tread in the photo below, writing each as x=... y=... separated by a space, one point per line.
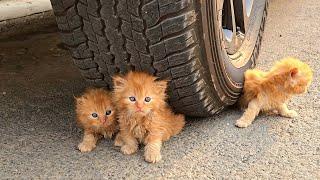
x=107 y=37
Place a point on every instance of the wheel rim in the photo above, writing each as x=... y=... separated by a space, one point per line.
x=235 y=23
x=220 y=61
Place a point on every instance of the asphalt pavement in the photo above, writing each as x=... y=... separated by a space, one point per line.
x=38 y=134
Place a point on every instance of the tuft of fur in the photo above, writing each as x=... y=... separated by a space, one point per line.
x=95 y=101
x=269 y=91
x=149 y=123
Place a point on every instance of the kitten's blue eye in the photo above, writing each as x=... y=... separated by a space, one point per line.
x=94 y=115
x=108 y=112
x=147 y=99
x=132 y=98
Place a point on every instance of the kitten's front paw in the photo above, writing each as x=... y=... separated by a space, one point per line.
x=118 y=141
x=83 y=147
x=290 y=114
x=127 y=149
x=242 y=124
x=152 y=157
x=108 y=135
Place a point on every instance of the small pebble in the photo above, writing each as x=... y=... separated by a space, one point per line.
x=4 y=93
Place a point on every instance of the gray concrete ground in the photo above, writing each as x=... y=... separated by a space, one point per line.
x=38 y=133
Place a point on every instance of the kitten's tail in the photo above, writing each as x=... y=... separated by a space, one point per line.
x=253 y=78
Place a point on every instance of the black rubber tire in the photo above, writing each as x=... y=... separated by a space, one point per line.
x=162 y=37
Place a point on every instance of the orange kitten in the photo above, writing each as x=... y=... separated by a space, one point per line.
x=96 y=115
x=144 y=116
x=269 y=91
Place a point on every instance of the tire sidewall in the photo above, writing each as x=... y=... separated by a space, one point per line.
x=234 y=74
x=226 y=76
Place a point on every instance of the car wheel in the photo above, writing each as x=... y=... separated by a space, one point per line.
x=202 y=46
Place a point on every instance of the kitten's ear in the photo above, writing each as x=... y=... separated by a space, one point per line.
x=119 y=81
x=79 y=100
x=293 y=72
x=162 y=84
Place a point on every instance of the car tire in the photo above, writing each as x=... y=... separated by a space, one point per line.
x=182 y=40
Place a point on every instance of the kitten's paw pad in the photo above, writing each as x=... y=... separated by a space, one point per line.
x=126 y=149
x=152 y=157
x=118 y=142
x=292 y=114
x=242 y=124
x=107 y=136
x=85 y=147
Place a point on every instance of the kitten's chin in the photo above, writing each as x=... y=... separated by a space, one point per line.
x=96 y=127
x=100 y=126
x=140 y=113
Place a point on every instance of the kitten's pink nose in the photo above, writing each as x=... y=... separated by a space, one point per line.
x=103 y=120
x=139 y=107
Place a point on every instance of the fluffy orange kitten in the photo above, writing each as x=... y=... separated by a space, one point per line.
x=144 y=116
x=96 y=115
x=269 y=91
